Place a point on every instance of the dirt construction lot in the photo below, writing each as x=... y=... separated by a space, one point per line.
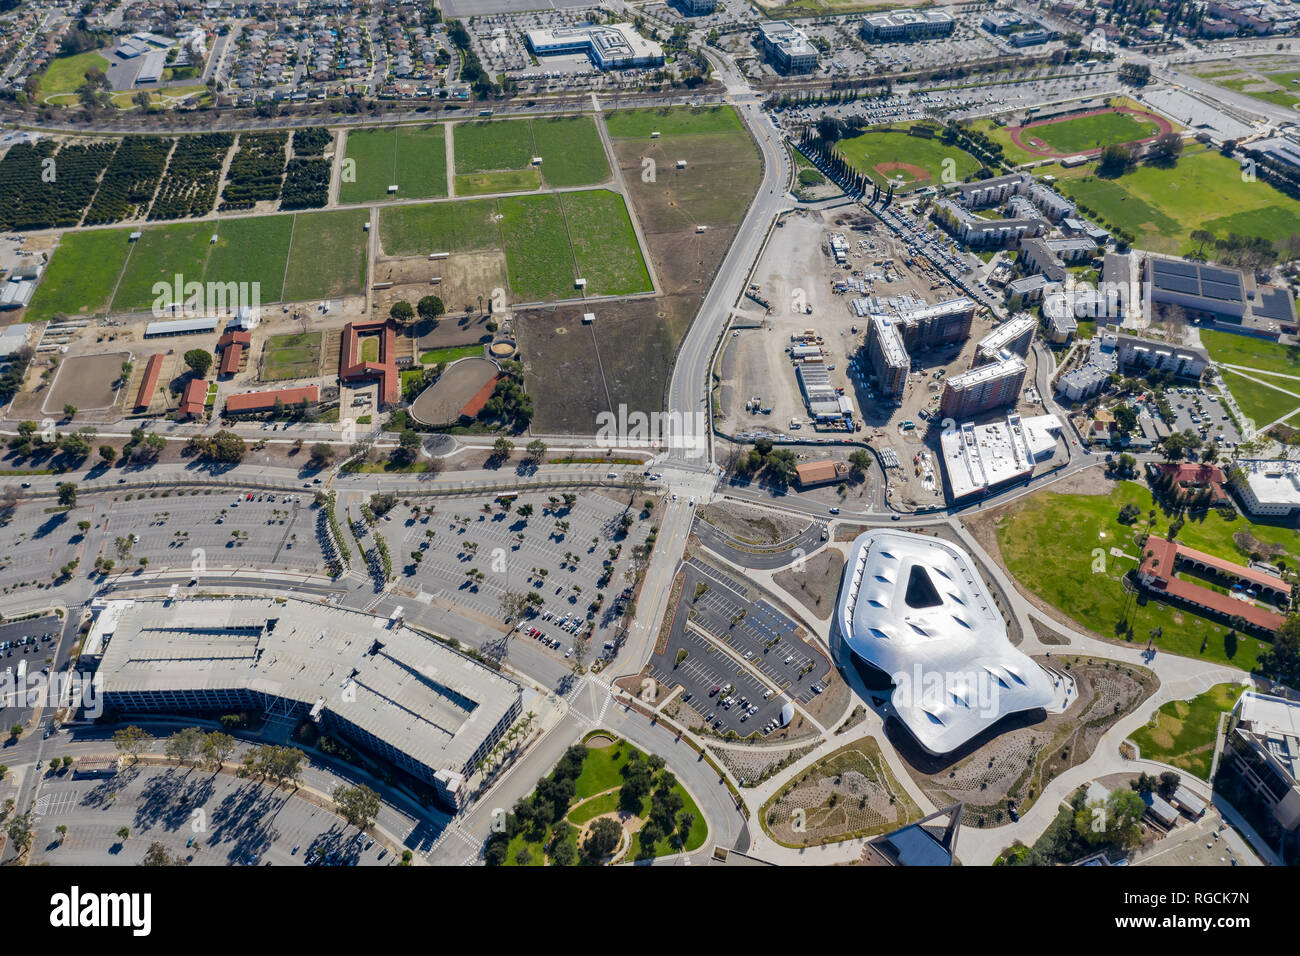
x=87 y=381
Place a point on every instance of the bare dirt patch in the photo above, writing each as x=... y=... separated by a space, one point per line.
x=86 y=381
x=817 y=584
x=751 y=526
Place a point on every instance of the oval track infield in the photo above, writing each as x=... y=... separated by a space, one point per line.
x=1023 y=136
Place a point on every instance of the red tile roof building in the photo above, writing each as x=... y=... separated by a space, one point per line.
x=152 y=369
x=194 y=398
x=1185 y=478
x=352 y=369
x=232 y=345
x=1161 y=559
x=265 y=401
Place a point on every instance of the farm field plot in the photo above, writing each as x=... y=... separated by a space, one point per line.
x=539 y=258
x=293 y=355
x=413 y=158
x=1262 y=403
x=1259 y=354
x=672 y=121
x=604 y=243
x=439 y=227
x=131 y=179
x=1163 y=206
x=27 y=201
x=500 y=181
x=482 y=146
x=160 y=255
x=327 y=256
x=1047 y=541
x=916 y=161
x=81 y=276
x=251 y=250
x=571 y=150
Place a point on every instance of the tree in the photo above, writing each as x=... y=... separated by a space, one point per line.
x=217 y=746
x=1169 y=782
x=157 y=855
x=401 y=311
x=20 y=833
x=1281 y=660
x=108 y=454
x=501 y=448
x=1116 y=160
x=185 y=744
x=199 y=361
x=74 y=445
x=124 y=833
x=321 y=455
x=430 y=307
x=69 y=411
x=602 y=840
x=408 y=446
x=132 y=740
x=536 y=450
x=358 y=805
x=68 y=494
x=859 y=462
x=1167 y=148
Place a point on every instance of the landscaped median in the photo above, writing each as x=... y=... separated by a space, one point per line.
x=605 y=802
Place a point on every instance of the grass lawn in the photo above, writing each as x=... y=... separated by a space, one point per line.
x=602 y=770
x=539 y=259
x=499 y=181
x=81 y=276
x=1086 y=133
x=999 y=134
x=876 y=153
x=571 y=150
x=1162 y=207
x=413 y=158
x=672 y=121
x=1049 y=541
x=421 y=161
x=254 y=251
x=450 y=354
x=294 y=355
x=373 y=153
x=1262 y=403
x=605 y=803
x=65 y=74
x=422 y=229
x=604 y=243
x=1259 y=354
x=370 y=348
x=159 y=256
x=486 y=145
x=1182 y=733
x=328 y=255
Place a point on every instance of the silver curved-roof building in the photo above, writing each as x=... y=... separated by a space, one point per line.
x=915 y=608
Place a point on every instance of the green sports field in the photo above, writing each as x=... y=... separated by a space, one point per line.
x=1263 y=404
x=887 y=155
x=413 y=158
x=65 y=74
x=1049 y=543
x=1259 y=354
x=293 y=355
x=1086 y=133
x=1163 y=206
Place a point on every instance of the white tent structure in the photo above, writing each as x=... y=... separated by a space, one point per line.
x=915 y=608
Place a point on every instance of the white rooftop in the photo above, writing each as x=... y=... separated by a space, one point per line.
x=979 y=457
x=1272 y=482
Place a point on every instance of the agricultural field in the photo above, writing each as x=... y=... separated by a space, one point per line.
x=539 y=258
x=1263 y=404
x=28 y=201
x=293 y=355
x=159 y=256
x=1182 y=732
x=1162 y=206
x=576 y=371
x=485 y=145
x=1271 y=79
x=888 y=155
x=189 y=186
x=86 y=267
x=1047 y=542
x=413 y=158
x=328 y=255
x=571 y=150
x=421 y=229
x=256 y=171
x=604 y=243
x=129 y=182
x=496 y=156
x=498 y=181
x=81 y=275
